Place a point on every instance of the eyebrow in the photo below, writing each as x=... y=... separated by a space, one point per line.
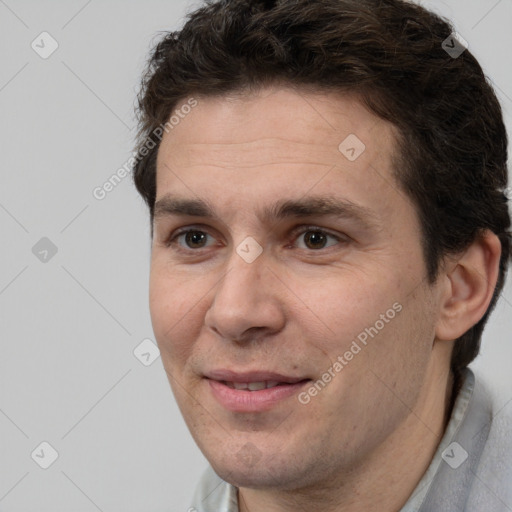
x=312 y=206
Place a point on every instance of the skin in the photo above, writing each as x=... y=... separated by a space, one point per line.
x=364 y=441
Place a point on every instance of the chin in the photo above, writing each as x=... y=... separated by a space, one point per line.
x=247 y=477
x=266 y=472
x=250 y=478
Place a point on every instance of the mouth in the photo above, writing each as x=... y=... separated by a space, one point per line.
x=254 y=386
x=253 y=391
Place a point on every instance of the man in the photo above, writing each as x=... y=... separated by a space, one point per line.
x=325 y=182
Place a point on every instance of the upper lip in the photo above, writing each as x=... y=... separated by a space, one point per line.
x=252 y=376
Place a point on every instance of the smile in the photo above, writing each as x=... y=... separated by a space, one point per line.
x=253 y=386
x=254 y=396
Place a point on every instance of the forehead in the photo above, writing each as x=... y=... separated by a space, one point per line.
x=286 y=123
x=278 y=142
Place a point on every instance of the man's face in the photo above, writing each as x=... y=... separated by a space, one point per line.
x=225 y=314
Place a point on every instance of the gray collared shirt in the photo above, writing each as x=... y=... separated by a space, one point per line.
x=467 y=473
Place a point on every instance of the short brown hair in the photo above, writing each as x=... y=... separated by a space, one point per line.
x=452 y=144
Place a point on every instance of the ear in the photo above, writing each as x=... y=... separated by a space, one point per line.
x=468 y=284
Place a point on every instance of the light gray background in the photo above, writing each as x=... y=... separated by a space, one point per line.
x=69 y=326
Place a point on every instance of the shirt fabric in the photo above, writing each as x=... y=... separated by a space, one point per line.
x=471 y=470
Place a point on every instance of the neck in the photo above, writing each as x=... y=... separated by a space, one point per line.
x=388 y=476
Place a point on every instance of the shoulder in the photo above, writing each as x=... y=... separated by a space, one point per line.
x=492 y=486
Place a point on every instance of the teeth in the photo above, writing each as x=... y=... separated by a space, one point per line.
x=255 y=386
x=252 y=386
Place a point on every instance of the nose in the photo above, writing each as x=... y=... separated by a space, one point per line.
x=247 y=302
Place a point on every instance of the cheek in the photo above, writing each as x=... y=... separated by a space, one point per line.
x=348 y=304
x=174 y=310
x=397 y=359
x=376 y=322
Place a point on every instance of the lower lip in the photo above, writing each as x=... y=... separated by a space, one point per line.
x=253 y=401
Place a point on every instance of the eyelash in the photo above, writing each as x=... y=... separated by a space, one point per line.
x=173 y=238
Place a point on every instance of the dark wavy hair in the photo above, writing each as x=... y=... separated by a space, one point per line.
x=451 y=156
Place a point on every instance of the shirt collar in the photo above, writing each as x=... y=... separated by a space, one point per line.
x=459 y=411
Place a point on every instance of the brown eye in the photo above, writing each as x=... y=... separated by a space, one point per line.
x=187 y=239
x=315 y=239
x=195 y=239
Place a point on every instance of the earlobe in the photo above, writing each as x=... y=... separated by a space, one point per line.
x=469 y=283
